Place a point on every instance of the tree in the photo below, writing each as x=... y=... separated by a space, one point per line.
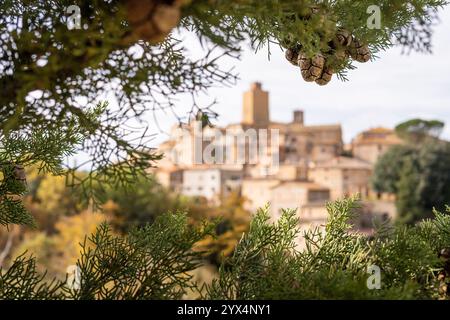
x=53 y=76
x=54 y=80
x=156 y=261
x=55 y=252
x=416 y=130
x=418 y=173
x=49 y=199
x=388 y=168
x=139 y=204
x=231 y=220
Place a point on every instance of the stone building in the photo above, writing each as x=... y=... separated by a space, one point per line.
x=303 y=196
x=296 y=144
x=299 y=143
x=344 y=176
x=258 y=192
x=171 y=178
x=371 y=144
x=255 y=106
x=210 y=183
x=296 y=165
x=307 y=198
x=302 y=143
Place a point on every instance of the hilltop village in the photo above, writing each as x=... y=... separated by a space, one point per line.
x=289 y=165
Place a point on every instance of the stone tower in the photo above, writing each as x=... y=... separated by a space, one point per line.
x=256 y=106
x=298 y=117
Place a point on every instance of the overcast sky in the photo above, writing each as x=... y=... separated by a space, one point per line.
x=385 y=92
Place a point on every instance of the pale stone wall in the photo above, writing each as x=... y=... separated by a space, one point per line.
x=314 y=143
x=342 y=182
x=369 y=145
x=292 y=172
x=356 y=181
x=298 y=195
x=370 y=152
x=257 y=192
x=344 y=176
x=287 y=196
x=183 y=150
x=324 y=152
x=211 y=183
x=163 y=177
x=205 y=183
x=329 y=177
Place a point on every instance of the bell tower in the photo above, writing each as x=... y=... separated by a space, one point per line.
x=256 y=106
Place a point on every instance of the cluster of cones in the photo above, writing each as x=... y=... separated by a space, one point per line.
x=16 y=173
x=320 y=68
x=152 y=20
x=444 y=275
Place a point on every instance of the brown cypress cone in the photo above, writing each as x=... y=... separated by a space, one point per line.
x=344 y=37
x=166 y=17
x=358 y=51
x=311 y=69
x=443 y=286
x=325 y=77
x=445 y=254
x=19 y=174
x=138 y=10
x=308 y=12
x=444 y=275
x=292 y=56
x=341 y=55
x=152 y=20
x=341 y=47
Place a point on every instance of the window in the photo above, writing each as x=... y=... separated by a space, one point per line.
x=318 y=196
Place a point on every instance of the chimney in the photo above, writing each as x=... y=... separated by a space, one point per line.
x=256 y=86
x=298 y=117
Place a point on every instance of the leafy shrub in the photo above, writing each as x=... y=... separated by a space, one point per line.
x=156 y=261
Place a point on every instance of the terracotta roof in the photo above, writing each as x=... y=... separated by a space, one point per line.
x=302 y=128
x=391 y=140
x=167 y=143
x=378 y=135
x=380 y=130
x=318 y=127
x=344 y=163
x=302 y=184
x=164 y=169
x=261 y=179
x=222 y=167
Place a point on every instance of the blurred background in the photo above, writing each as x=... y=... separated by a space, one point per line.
x=391 y=90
